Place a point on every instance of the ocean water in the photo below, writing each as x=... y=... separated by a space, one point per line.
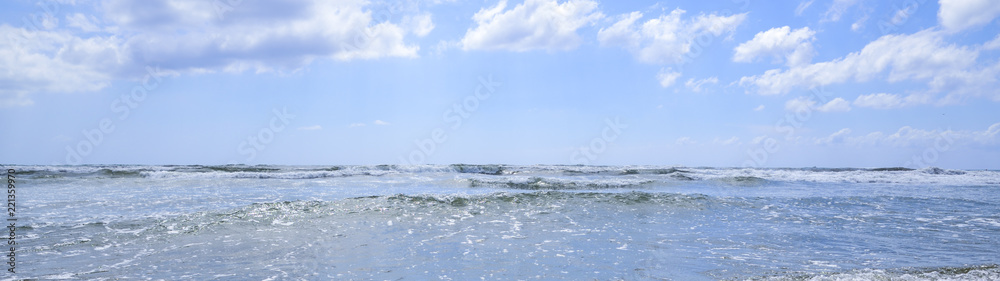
x=500 y=222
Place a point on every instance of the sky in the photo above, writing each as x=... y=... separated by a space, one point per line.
x=741 y=83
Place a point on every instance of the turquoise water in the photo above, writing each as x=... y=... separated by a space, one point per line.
x=497 y=222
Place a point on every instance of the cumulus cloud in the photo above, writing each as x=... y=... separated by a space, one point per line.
x=781 y=43
x=622 y=32
x=261 y=36
x=922 y=56
x=667 y=38
x=55 y=61
x=958 y=15
x=532 y=25
x=420 y=25
x=194 y=36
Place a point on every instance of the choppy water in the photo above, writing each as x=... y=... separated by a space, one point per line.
x=464 y=222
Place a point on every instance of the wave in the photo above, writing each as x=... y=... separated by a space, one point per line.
x=890 y=169
x=540 y=183
x=939 y=171
x=286 y=213
x=544 y=197
x=551 y=176
x=977 y=272
x=479 y=169
x=653 y=171
x=743 y=180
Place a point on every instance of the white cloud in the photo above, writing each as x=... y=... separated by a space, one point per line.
x=285 y=37
x=668 y=38
x=420 y=25
x=381 y=123
x=802 y=7
x=759 y=108
x=958 y=15
x=782 y=43
x=190 y=36
x=12 y=100
x=889 y=101
x=908 y=136
x=55 y=61
x=311 y=128
x=835 y=138
x=879 y=101
x=922 y=56
x=83 y=22
x=801 y=104
x=903 y=14
x=961 y=86
x=695 y=86
x=667 y=77
x=532 y=25
x=355 y=125
x=835 y=105
x=992 y=44
x=859 y=24
x=621 y=33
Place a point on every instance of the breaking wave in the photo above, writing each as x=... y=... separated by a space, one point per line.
x=533 y=176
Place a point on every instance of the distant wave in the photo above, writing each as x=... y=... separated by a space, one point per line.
x=532 y=176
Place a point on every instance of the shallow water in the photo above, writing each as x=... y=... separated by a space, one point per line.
x=461 y=222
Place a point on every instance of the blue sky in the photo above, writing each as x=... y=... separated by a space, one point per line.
x=697 y=83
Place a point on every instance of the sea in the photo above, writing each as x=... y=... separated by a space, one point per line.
x=503 y=222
